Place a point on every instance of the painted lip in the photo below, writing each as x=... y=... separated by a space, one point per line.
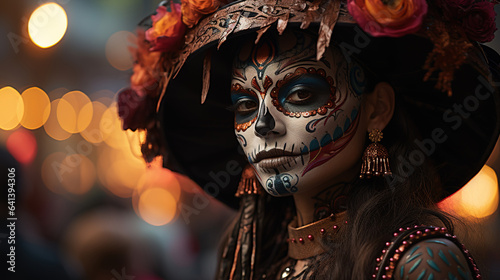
x=274 y=158
x=276 y=162
x=273 y=153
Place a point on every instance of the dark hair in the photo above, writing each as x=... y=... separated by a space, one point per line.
x=380 y=207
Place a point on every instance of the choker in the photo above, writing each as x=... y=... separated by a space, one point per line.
x=306 y=241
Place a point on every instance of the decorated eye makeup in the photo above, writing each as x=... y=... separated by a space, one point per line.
x=299 y=97
x=245 y=107
x=304 y=93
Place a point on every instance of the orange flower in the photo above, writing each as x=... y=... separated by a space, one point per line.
x=393 y=18
x=146 y=62
x=193 y=10
x=168 y=30
x=142 y=77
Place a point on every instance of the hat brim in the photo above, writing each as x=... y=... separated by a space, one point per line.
x=202 y=144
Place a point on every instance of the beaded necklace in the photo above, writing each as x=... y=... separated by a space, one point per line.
x=306 y=241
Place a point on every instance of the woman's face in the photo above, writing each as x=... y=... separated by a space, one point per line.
x=297 y=119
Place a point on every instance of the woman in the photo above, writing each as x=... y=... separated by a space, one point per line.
x=311 y=91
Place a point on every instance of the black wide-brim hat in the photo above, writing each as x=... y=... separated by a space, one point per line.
x=457 y=132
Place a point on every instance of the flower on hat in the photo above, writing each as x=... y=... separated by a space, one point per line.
x=145 y=61
x=392 y=18
x=136 y=109
x=193 y=10
x=136 y=105
x=479 y=22
x=477 y=18
x=168 y=29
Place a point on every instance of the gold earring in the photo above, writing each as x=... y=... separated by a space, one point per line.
x=375 y=158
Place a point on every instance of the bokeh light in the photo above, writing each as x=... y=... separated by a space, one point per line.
x=157 y=206
x=119 y=170
x=477 y=199
x=107 y=101
x=117 y=50
x=47 y=25
x=79 y=175
x=135 y=140
x=36 y=106
x=155 y=178
x=22 y=146
x=52 y=126
x=93 y=133
x=11 y=108
x=160 y=178
x=111 y=129
x=74 y=111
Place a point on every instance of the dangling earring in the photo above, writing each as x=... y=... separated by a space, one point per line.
x=248 y=183
x=376 y=158
x=239 y=257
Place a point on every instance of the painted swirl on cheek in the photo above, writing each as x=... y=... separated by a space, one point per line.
x=281 y=184
x=329 y=146
x=311 y=126
x=242 y=140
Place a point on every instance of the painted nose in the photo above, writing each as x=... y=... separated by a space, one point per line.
x=265 y=122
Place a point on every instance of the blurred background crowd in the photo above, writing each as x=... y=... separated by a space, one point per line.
x=87 y=206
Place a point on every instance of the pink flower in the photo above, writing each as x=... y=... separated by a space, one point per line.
x=136 y=109
x=168 y=29
x=393 y=18
x=479 y=22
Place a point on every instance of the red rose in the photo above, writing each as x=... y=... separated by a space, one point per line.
x=136 y=109
x=479 y=22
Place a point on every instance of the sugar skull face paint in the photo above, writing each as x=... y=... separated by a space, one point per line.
x=296 y=118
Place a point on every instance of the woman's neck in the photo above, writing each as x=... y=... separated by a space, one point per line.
x=316 y=206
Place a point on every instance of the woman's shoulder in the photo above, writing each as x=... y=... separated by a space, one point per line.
x=425 y=252
x=434 y=258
